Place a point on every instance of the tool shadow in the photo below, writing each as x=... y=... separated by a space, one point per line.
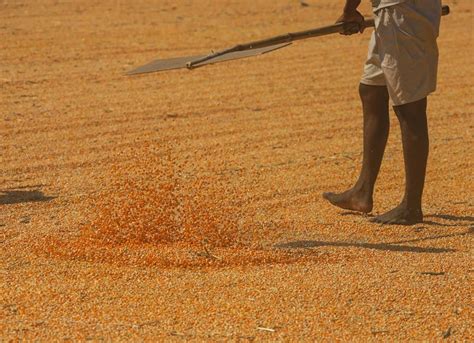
x=8 y=197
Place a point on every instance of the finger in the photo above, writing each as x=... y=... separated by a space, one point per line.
x=351 y=32
x=351 y=28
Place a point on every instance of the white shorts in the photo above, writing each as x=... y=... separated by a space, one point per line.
x=403 y=53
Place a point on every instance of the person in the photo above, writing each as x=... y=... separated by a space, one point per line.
x=402 y=67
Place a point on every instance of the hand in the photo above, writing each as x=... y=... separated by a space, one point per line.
x=353 y=22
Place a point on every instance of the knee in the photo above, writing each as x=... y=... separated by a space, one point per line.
x=373 y=93
x=414 y=111
x=401 y=114
x=413 y=124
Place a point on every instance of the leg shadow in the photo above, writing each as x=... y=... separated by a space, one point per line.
x=470 y=231
x=449 y=217
x=375 y=246
x=392 y=246
x=453 y=218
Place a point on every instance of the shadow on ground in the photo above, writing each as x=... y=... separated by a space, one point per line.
x=376 y=246
x=393 y=246
x=20 y=196
x=453 y=218
x=458 y=220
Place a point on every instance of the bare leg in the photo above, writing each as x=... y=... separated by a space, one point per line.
x=376 y=128
x=413 y=124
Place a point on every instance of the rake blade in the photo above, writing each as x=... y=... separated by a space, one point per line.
x=181 y=62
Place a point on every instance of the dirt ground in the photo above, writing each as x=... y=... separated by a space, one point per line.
x=186 y=205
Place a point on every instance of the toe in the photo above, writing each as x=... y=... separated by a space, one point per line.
x=394 y=221
x=329 y=196
x=326 y=195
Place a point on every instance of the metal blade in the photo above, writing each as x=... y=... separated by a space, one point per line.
x=180 y=62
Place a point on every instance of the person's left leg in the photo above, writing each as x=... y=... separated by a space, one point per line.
x=414 y=127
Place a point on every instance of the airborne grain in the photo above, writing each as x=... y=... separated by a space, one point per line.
x=187 y=205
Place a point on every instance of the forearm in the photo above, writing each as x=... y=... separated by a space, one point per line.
x=351 y=6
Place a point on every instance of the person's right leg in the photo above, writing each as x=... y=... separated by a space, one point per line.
x=376 y=127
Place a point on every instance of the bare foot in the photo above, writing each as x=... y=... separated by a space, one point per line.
x=350 y=200
x=400 y=215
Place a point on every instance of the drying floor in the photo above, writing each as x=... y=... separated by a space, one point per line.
x=187 y=204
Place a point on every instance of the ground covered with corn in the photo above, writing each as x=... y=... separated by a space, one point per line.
x=187 y=204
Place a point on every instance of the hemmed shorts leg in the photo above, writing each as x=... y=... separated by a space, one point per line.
x=403 y=53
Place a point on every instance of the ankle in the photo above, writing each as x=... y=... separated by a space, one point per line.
x=363 y=190
x=411 y=206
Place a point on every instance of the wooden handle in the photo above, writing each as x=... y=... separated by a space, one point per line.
x=291 y=37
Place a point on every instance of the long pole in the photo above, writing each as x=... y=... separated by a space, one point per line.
x=286 y=38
